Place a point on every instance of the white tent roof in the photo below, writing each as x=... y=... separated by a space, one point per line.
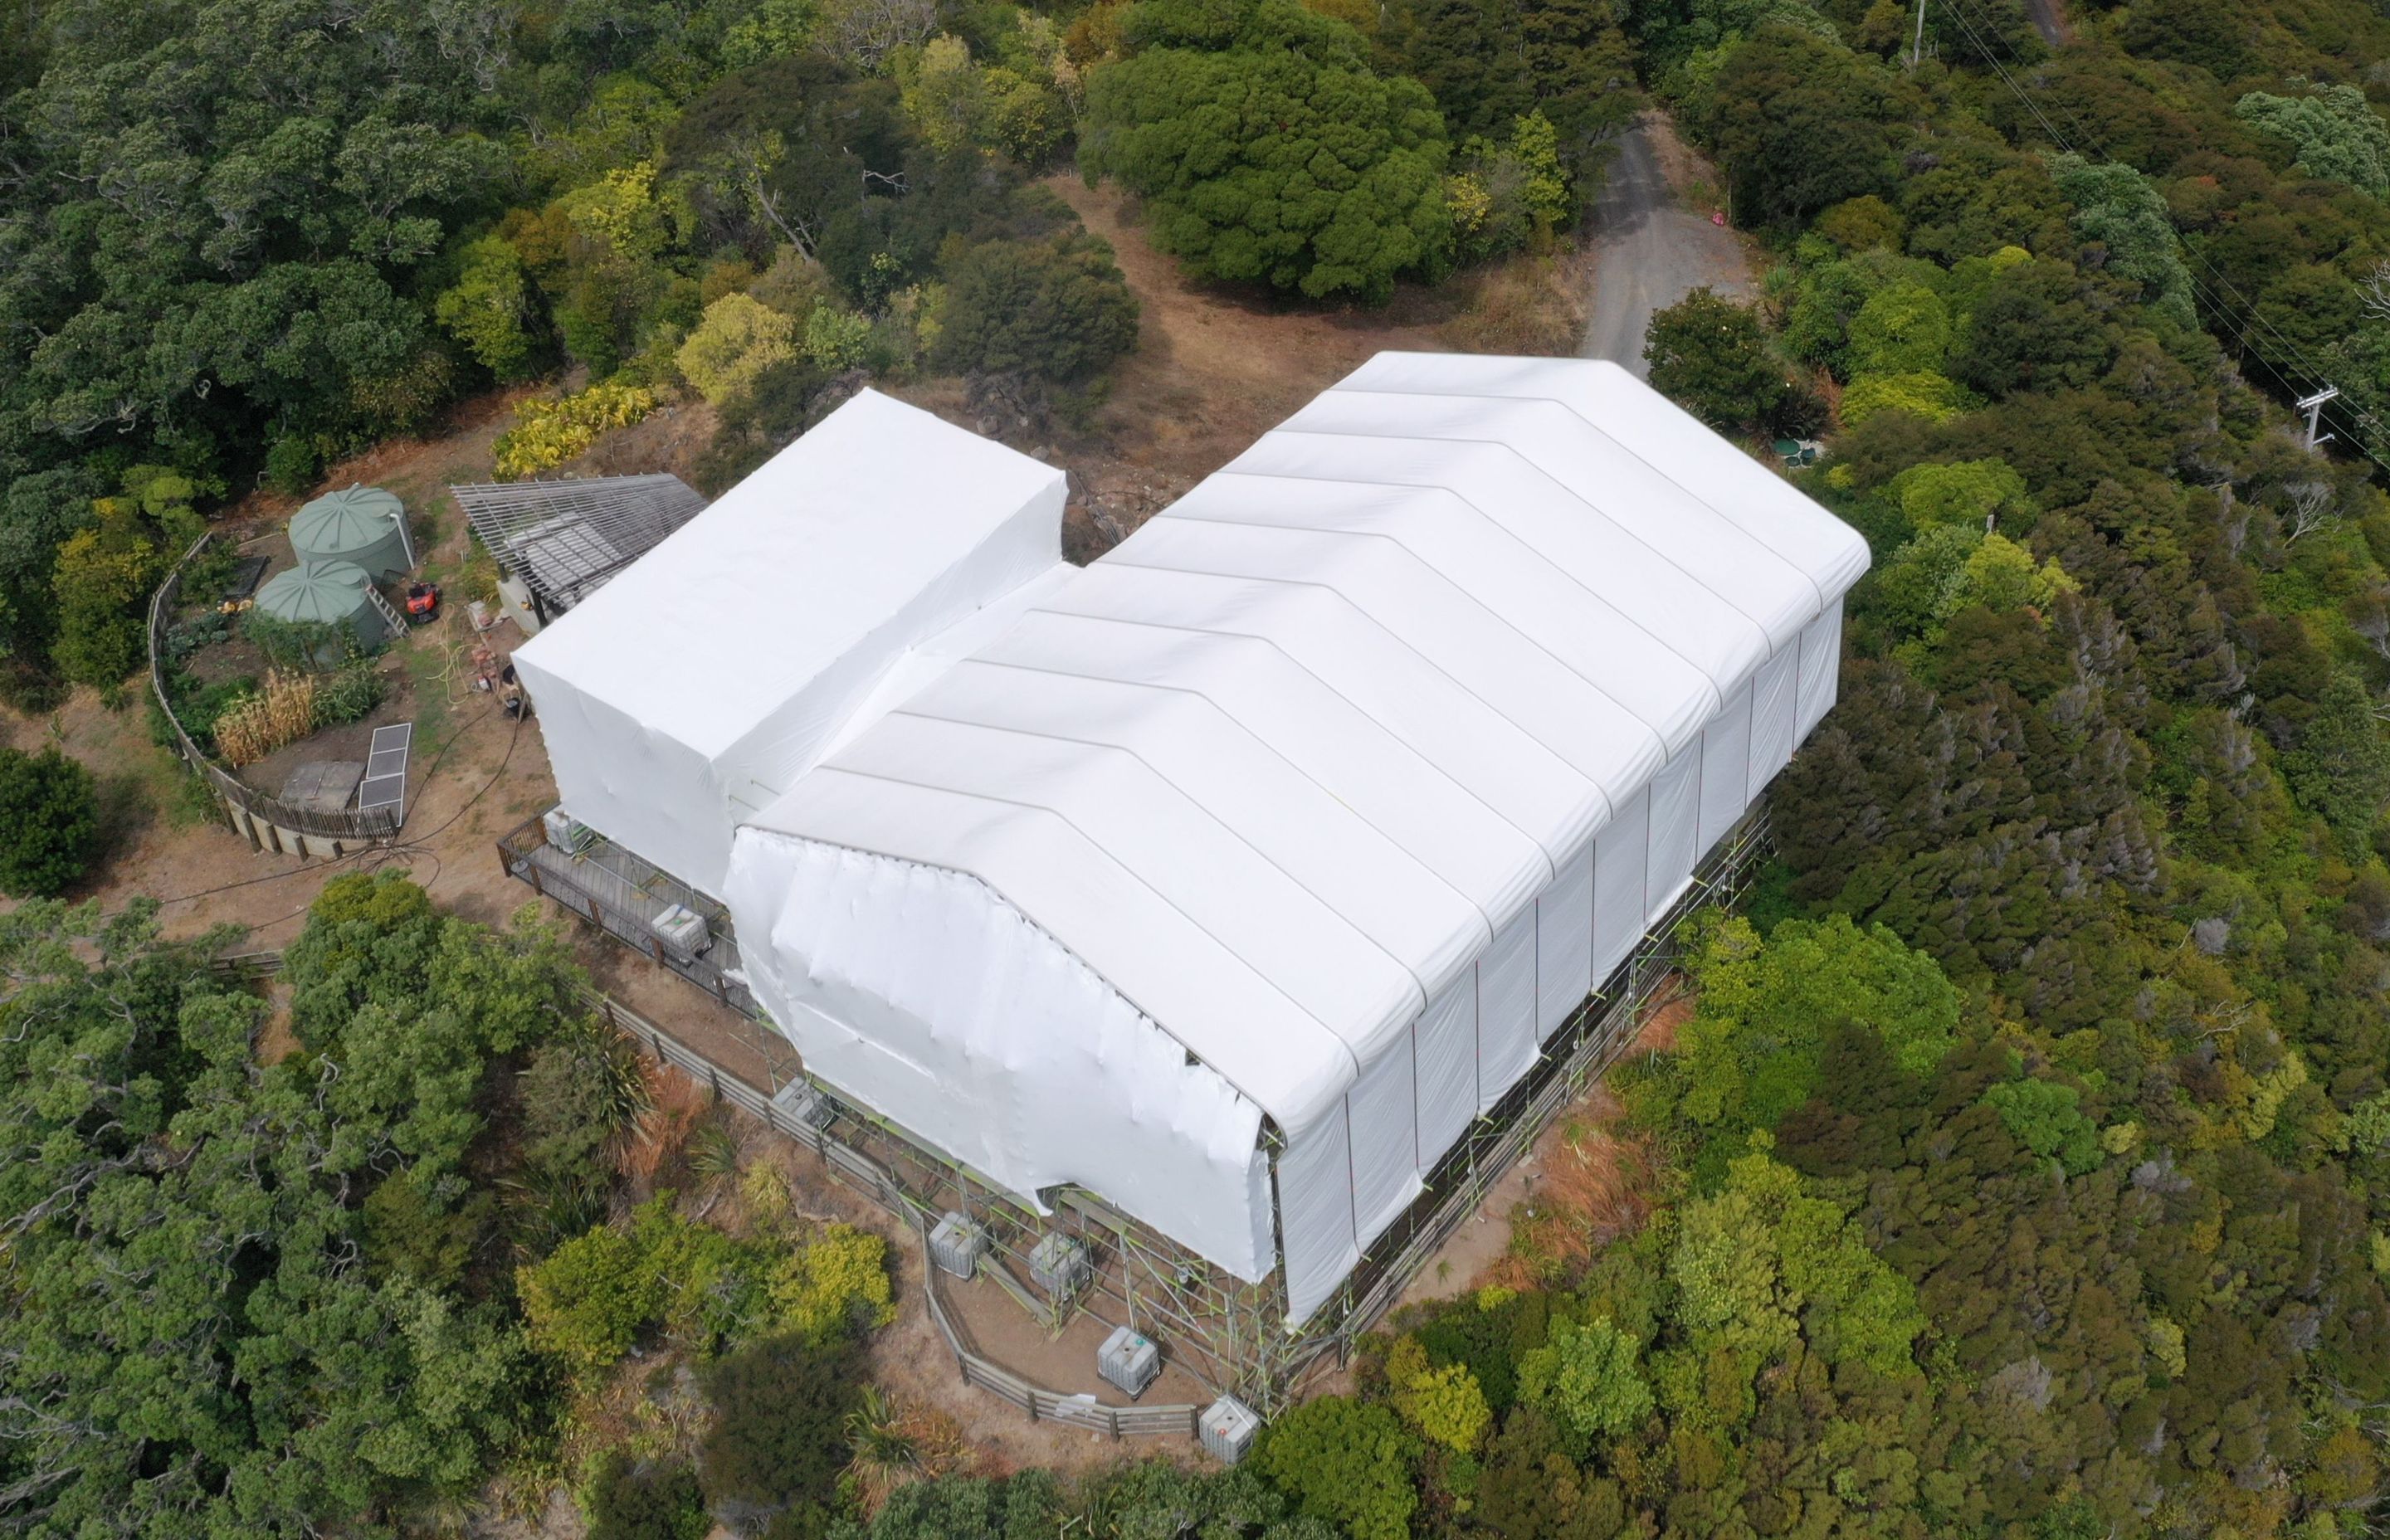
x=1279 y=766
x=705 y=678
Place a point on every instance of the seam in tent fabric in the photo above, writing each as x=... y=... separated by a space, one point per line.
x=1726 y=513
x=1256 y=607
x=1730 y=527
x=1581 y=501
x=1472 y=376
x=1607 y=811
x=1721 y=684
x=1272 y=644
x=1467 y=594
x=1499 y=529
x=1237 y=836
x=1430 y=764
x=1159 y=721
x=1274 y=751
x=1063 y=818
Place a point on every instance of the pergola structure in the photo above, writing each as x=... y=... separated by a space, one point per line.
x=563 y=540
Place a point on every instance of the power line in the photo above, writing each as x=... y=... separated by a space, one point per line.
x=2249 y=311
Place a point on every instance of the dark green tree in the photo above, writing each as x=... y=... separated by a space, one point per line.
x=1799 y=123
x=1712 y=357
x=1056 y=309
x=1267 y=149
x=49 y=822
x=631 y=1499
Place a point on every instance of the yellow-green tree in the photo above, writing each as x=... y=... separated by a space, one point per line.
x=735 y=341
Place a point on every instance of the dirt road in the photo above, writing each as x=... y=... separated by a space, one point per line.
x=1651 y=245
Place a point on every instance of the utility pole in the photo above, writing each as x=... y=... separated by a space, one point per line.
x=1917 y=48
x=2313 y=406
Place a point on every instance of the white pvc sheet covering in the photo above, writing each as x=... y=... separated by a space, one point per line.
x=1620 y=853
x=1675 y=831
x=1386 y=1148
x=1323 y=799
x=1314 y=1208
x=1443 y=1055
x=1725 y=764
x=696 y=686
x=906 y=985
x=1564 y=942
x=1505 y=1009
x=1822 y=669
x=1773 y=718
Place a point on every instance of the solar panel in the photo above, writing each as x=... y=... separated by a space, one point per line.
x=385 y=782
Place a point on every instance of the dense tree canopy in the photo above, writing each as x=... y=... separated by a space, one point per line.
x=1269 y=151
x=201 y=1340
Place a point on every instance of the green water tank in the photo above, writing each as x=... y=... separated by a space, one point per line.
x=362 y=525
x=326 y=593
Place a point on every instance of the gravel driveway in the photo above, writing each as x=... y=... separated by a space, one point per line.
x=1649 y=250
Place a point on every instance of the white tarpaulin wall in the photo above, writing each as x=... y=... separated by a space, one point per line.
x=1324 y=798
x=696 y=686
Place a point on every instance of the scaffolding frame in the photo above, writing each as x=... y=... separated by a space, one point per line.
x=565 y=539
x=1229 y=1335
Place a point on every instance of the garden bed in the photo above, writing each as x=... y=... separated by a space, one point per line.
x=214 y=663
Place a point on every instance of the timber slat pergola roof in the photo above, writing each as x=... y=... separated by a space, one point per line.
x=564 y=539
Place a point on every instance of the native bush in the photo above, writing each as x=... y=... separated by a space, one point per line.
x=1344 y=1461
x=635 y=1499
x=49 y=822
x=780 y=1408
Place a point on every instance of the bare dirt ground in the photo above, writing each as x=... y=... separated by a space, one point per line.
x=1213 y=370
x=1580 y=1180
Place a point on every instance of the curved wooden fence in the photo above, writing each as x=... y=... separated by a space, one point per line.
x=867 y=1176
x=268 y=823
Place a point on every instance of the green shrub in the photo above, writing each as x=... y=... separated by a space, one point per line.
x=778 y=1436
x=1586 y=1377
x=1344 y=1462
x=631 y=1499
x=292 y=465
x=2046 y=1118
x=49 y=822
x=586 y=1304
x=1444 y=1403
x=578 y=1093
x=836 y=1287
x=103 y=576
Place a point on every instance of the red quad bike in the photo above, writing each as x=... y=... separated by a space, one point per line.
x=422 y=601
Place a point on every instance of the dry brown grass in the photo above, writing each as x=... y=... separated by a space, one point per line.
x=283 y=712
x=1527 y=304
x=675 y=1106
x=1594 y=1188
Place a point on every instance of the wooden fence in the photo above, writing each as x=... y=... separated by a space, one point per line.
x=268 y=823
x=876 y=1182
x=869 y=1177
